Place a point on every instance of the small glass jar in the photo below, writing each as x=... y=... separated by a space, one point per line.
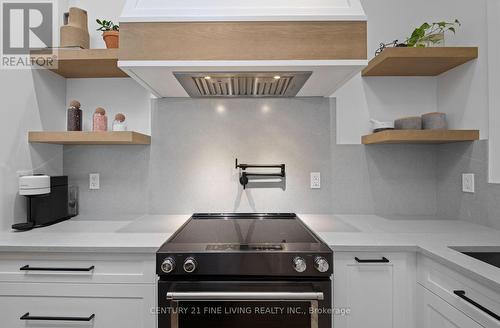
x=74 y=118
x=73 y=200
x=99 y=120
x=119 y=123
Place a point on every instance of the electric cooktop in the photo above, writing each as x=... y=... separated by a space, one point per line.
x=269 y=244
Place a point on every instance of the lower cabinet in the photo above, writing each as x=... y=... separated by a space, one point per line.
x=60 y=305
x=434 y=312
x=77 y=290
x=375 y=290
x=465 y=301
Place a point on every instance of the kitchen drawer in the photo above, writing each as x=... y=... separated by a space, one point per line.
x=96 y=306
x=77 y=268
x=434 y=312
x=445 y=283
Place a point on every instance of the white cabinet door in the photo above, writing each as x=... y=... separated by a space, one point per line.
x=434 y=312
x=375 y=295
x=87 y=305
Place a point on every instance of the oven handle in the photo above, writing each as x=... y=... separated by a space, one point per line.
x=176 y=297
x=244 y=296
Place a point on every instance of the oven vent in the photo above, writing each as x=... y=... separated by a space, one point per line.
x=247 y=84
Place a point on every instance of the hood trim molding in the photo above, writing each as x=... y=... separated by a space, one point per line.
x=230 y=10
x=158 y=76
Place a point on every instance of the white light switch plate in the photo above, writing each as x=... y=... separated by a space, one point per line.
x=315 y=180
x=468 y=183
x=94 y=182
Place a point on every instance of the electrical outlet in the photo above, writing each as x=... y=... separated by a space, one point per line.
x=315 y=180
x=468 y=182
x=94 y=182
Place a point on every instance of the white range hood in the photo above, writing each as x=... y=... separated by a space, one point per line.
x=232 y=10
x=278 y=48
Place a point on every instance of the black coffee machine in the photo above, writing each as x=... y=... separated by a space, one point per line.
x=47 y=201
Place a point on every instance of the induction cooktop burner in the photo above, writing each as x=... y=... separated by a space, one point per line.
x=244 y=244
x=243 y=229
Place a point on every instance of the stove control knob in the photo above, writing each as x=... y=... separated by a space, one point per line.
x=168 y=265
x=189 y=265
x=321 y=264
x=299 y=264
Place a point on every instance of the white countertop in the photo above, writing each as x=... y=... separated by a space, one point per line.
x=342 y=232
x=140 y=235
x=430 y=237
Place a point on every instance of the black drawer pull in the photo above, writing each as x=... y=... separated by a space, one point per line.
x=382 y=260
x=461 y=294
x=28 y=268
x=28 y=317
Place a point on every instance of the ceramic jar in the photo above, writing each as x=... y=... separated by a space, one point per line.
x=434 y=121
x=408 y=123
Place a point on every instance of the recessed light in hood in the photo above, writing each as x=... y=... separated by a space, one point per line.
x=242 y=84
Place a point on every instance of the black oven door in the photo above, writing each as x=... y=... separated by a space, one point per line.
x=244 y=304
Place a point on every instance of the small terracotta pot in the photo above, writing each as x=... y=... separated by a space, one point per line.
x=111 y=38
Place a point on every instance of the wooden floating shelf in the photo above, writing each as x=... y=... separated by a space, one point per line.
x=420 y=136
x=419 y=61
x=86 y=63
x=90 y=138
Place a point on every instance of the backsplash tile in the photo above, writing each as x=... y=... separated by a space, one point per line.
x=195 y=143
x=124 y=179
x=482 y=207
x=189 y=166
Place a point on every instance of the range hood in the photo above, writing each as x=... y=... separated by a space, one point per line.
x=242 y=84
x=227 y=48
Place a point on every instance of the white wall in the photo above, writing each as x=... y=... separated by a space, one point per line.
x=461 y=93
x=493 y=91
x=29 y=101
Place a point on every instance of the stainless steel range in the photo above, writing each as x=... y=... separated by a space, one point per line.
x=244 y=270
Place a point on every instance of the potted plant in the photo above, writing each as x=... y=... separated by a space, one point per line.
x=431 y=35
x=110 y=33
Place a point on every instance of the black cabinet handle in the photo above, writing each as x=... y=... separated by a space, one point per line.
x=382 y=260
x=461 y=294
x=28 y=268
x=28 y=317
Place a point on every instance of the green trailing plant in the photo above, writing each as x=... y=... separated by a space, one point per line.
x=105 y=25
x=431 y=33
